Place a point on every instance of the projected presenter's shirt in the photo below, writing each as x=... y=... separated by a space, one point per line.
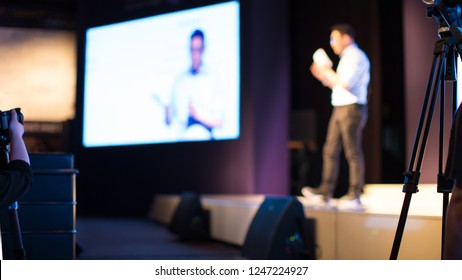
x=354 y=69
x=202 y=91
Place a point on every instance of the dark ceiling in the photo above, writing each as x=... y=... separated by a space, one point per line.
x=58 y=14
x=53 y=14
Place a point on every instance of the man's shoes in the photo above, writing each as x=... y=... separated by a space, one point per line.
x=309 y=192
x=318 y=198
x=350 y=203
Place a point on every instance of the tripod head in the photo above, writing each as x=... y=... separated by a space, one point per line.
x=448 y=14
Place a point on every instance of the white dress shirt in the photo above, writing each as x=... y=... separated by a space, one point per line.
x=353 y=69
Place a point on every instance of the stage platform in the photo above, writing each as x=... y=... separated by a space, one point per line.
x=341 y=234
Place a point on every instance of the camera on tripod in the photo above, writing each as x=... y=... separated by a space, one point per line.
x=444 y=10
x=448 y=48
x=5 y=118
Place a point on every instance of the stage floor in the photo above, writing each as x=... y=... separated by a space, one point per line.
x=341 y=234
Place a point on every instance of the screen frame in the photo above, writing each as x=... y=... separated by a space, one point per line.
x=161 y=12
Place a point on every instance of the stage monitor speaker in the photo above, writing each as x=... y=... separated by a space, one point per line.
x=190 y=221
x=280 y=231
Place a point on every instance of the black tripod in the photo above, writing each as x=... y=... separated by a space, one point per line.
x=19 y=250
x=445 y=53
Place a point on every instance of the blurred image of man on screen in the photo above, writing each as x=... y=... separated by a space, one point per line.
x=196 y=105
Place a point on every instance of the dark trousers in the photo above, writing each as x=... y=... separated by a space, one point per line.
x=345 y=131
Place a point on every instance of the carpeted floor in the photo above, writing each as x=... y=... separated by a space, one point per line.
x=141 y=239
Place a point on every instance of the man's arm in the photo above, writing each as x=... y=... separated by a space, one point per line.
x=18 y=150
x=17 y=178
x=327 y=76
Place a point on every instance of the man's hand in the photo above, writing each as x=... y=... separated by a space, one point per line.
x=17 y=145
x=318 y=71
x=16 y=129
x=327 y=76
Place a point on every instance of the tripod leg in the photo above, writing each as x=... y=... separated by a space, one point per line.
x=445 y=184
x=412 y=175
x=20 y=252
x=438 y=61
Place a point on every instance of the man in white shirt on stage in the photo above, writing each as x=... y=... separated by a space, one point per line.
x=349 y=85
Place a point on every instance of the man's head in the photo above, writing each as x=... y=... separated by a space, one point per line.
x=341 y=36
x=197 y=48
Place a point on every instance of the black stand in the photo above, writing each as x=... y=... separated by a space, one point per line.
x=445 y=59
x=20 y=252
